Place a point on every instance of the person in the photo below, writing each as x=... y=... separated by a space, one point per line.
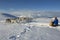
x=54 y=22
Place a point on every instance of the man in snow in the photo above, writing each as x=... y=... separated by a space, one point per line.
x=54 y=22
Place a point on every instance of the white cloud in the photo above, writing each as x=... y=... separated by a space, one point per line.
x=35 y=13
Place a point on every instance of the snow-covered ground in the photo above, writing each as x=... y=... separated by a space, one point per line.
x=38 y=29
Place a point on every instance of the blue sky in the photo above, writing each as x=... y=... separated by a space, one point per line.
x=30 y=4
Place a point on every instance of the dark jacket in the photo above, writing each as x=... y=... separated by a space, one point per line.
x=55 y=22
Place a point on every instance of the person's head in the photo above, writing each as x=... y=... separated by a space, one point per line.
x=55 y=17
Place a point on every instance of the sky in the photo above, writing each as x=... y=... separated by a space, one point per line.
x=30 y=4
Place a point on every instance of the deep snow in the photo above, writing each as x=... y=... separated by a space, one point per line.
x=28 y=31
x=38 y=29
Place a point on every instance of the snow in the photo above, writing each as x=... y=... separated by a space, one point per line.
x=38 y=29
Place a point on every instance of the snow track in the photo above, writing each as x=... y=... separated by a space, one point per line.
x=28 y=31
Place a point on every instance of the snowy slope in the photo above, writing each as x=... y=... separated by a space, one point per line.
x=28 y=31
x=38 y=29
